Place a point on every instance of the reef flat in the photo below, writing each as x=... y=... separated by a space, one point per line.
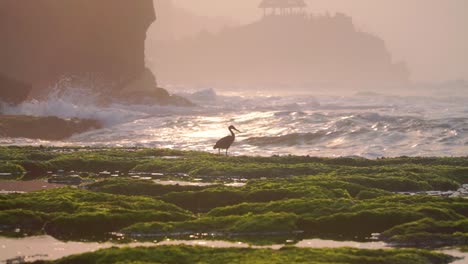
x=117 y=193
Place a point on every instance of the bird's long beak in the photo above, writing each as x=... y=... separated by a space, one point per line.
x=237 y=130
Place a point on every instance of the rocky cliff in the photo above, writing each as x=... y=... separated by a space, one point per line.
x=13 y=91
x=101 y=41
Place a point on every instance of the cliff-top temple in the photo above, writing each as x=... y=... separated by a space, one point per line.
x=285 y=7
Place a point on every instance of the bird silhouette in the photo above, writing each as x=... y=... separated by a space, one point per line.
x=226 y=142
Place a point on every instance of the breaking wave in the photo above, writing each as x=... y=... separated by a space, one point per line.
x=83 y=103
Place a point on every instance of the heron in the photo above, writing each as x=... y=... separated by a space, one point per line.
x=226 y=142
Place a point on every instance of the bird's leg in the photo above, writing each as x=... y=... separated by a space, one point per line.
x=226 y=152
x=219 y=151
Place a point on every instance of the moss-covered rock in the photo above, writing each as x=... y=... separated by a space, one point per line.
x=47 y=128
x=74 y=213
x=186 y=254
x=247 y=225
x=323 y=197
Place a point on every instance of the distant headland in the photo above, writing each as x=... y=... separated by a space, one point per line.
x=285 y=47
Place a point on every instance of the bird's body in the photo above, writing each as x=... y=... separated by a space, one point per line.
x=226 y=142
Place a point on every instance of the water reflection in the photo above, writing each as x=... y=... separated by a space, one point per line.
x=49 y=248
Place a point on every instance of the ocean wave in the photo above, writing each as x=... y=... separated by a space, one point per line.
x=74 y=103
x=369 y=126
x=83 y=103
x=289 y=139
x=351 y=129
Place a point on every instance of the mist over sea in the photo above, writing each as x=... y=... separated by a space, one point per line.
x=364 y=124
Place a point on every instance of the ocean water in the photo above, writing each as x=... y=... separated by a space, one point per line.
x=364 y=124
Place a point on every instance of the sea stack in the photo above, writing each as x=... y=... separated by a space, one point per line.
x=287 y=48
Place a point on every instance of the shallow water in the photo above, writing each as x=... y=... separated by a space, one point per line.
x=361 y=125
x=14 y=186
x=200 y=184
x=49 y=248
x=462 y=256
x=319 y=243
x=43 y=247
x=183 y=183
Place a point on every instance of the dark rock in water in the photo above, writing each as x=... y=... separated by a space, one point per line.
x=46 y=128
x=143 y=90
x=13 y=91
x=68 y=180
x=101 y=41
x=158 y=95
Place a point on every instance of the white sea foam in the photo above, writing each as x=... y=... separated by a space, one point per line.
x=77 y=102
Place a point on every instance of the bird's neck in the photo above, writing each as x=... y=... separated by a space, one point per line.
x=232 y=133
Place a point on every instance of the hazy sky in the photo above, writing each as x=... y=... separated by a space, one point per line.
x=430 y=35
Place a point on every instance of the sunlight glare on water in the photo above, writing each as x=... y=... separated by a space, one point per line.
x=369 y=126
